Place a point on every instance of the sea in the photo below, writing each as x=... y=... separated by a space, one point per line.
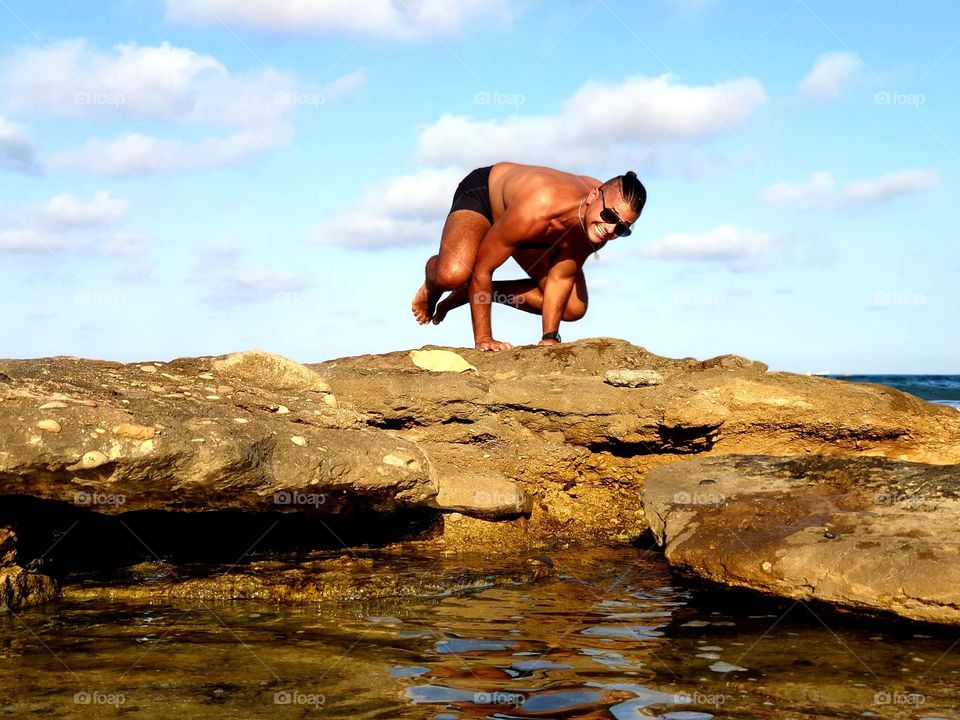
x=941 y=389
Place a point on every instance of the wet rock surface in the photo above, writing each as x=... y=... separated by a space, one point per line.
x=870 y=534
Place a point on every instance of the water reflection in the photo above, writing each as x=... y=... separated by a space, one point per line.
x=609 y=635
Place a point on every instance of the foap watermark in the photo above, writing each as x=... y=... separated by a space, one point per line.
x=97 y=697
x=312 y=299
x=484 y=97
x=694 y=299
x=886 y=697
x=98 y=298
x=698 y=498
x=287 y=497
x=899 y=299
x=87 y=499
x=895 y=97
x=499 y=697
x=699 y=698
x=502 y=298
x=892 y=497
x=83 y=97
x=295 y=697
x=300 y=98
x=485 y=497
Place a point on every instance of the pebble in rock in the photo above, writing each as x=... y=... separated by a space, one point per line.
x=55 y=405
x=49 y=425
x=297 y=440
x=148 y=368
x=632 y=378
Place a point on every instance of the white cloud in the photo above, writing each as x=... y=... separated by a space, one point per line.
x=31 y=240
x=69 y=211
x=345 y=84
x=828 y=74
x=379 y=18
x=16 y=151
x=598 y=123
x=821 y=191
x=163 y=83
x=890 y=186
x=404 y=210
x=67 y=223
x=817 y=192
x=738 y=249
x=218 y=267
x=135 y=154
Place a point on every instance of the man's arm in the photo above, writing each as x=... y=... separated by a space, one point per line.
x=556 y=294
x=493 y=252
x=500 y=242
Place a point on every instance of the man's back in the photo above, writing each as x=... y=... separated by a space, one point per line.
x=552 y=190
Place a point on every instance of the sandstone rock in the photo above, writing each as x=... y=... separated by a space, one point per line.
x=865 y=533
x=49 y=425
x=134 y=432
x=235 y=454
x=264 y=369
x=545 y=418
x=19 y=587
x=632 y=378
x=482 y=495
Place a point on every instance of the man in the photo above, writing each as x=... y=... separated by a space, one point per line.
x=548 y=221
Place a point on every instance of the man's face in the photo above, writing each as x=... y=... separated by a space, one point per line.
x=608 y=216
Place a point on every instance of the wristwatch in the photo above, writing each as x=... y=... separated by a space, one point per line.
x=552 y=336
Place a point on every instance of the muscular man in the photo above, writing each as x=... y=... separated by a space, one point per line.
x=548 y=221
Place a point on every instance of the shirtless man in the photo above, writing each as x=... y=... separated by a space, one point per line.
x=548 y=221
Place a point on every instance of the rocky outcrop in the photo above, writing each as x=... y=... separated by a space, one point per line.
x=579 y=447
x=250 y=432
x=863 y=533
x=524 y=449
x=20 y=587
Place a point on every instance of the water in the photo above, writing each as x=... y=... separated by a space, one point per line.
x=942 y=389
x=607 y=633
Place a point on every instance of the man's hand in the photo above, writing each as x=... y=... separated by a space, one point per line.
x=489 y=344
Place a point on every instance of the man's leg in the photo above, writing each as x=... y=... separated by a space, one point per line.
x=451 y=267
x=526 y=295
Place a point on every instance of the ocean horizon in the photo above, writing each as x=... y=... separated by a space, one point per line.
x=940 y=389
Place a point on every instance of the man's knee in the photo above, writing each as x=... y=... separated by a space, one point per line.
x=452 y=274
x=575 y=310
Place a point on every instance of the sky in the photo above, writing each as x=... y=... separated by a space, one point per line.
x=198 y=177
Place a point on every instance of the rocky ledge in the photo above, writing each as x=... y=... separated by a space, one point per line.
x=520 y=450
x=863 y=533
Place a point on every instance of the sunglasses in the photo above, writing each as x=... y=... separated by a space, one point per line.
x=609 y=216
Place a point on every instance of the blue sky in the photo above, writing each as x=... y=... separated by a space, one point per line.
x=191 y=177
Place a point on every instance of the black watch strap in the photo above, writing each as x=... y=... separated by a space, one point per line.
x=552 y=336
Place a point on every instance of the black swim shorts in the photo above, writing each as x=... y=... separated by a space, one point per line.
x=473 y=193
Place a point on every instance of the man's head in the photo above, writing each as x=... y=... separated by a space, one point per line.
x=613 y=207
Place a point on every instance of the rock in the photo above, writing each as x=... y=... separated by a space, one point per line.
x=49 y=426
x=483 y=496
x=865 y=533
x=263 y=369
x=546 y=419
x=134 y=432
x=440 y=361
x=55 y=405
x=632 y=378
x=148 y=368
x=19 y=587
x=232 y=455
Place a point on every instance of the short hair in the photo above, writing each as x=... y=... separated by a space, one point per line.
x=633 y=191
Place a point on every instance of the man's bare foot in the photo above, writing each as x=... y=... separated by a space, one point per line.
x=423 y=305
x=458 y=298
